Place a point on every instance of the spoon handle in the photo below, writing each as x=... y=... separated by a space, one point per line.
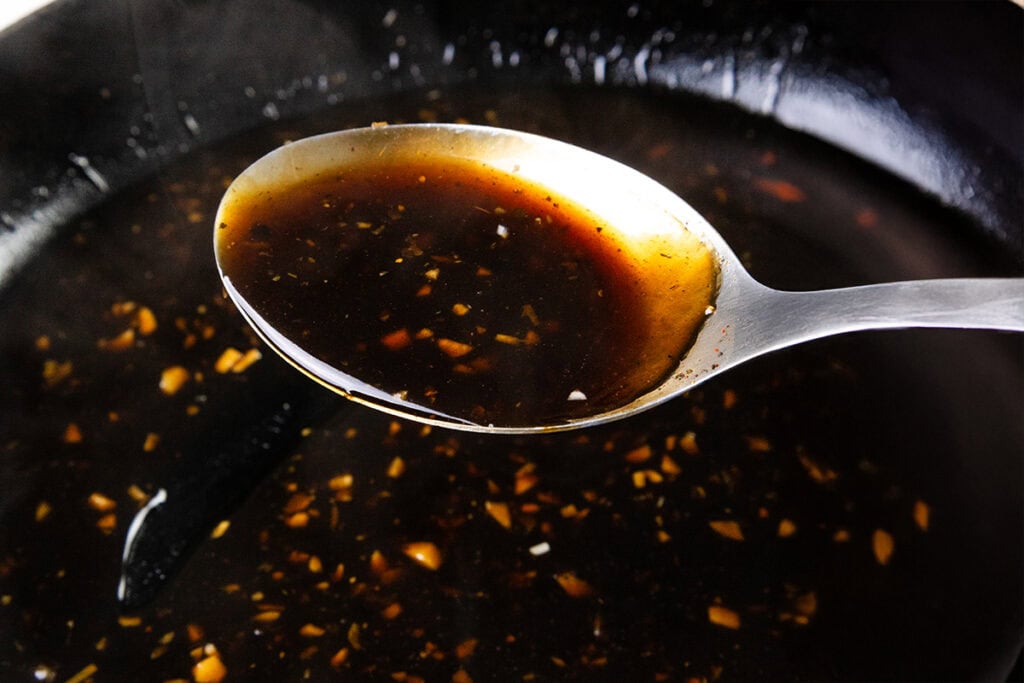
x=981 y=303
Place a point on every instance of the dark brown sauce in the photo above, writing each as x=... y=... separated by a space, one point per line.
x=461 y=289
x=857 y=429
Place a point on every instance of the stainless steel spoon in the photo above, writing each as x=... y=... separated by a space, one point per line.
x=747 y=319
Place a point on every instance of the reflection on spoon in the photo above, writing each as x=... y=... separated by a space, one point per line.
x=491 y=280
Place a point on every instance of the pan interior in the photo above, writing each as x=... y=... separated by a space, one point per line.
x=834 y=511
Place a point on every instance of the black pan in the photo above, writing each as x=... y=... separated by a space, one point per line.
x=742 y=532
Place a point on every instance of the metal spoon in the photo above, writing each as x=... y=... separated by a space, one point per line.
x=746 y=320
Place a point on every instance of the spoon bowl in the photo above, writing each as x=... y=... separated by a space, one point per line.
x=693 y=311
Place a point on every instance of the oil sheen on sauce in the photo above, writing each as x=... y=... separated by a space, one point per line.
x=462 y=290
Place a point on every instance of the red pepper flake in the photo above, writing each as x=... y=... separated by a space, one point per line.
x=72 y=433
x=397 y=340
x=783 y=190
x=466 y=648
x=729 y=399
x=786 y=528
x=867 y=218
x=659 y=151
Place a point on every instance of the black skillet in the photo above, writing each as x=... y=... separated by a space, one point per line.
x=100 y=97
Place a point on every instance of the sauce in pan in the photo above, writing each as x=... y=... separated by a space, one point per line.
x=798 y=519
x=464 y=290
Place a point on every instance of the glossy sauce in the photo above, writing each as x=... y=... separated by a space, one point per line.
x=858 y=428
x=463 y=290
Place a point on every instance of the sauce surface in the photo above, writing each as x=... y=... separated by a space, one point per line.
x=462 y=289
x=586 y=555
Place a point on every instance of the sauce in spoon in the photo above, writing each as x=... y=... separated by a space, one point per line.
x=417 y=278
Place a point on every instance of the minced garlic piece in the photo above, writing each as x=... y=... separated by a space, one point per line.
x=499 y=512
x=151 y=442
x=227 y=360
x=210 y=669
x=121 y=342
x=311 y=631
x=727 y=528
x=424 y=553
x=107 y=523
x=55 y=372
x=145 y=321
x=85 y=674
x=639 y=455
x=723 y=616
x=688 y=442
x=922 y=514
x=339 y=658
x=42 y=510
x=101 y=503
x=573 y=585
x=786 y=528
x=396 y=468
x=453 y=348
x=172 y=379
x=883 y=545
